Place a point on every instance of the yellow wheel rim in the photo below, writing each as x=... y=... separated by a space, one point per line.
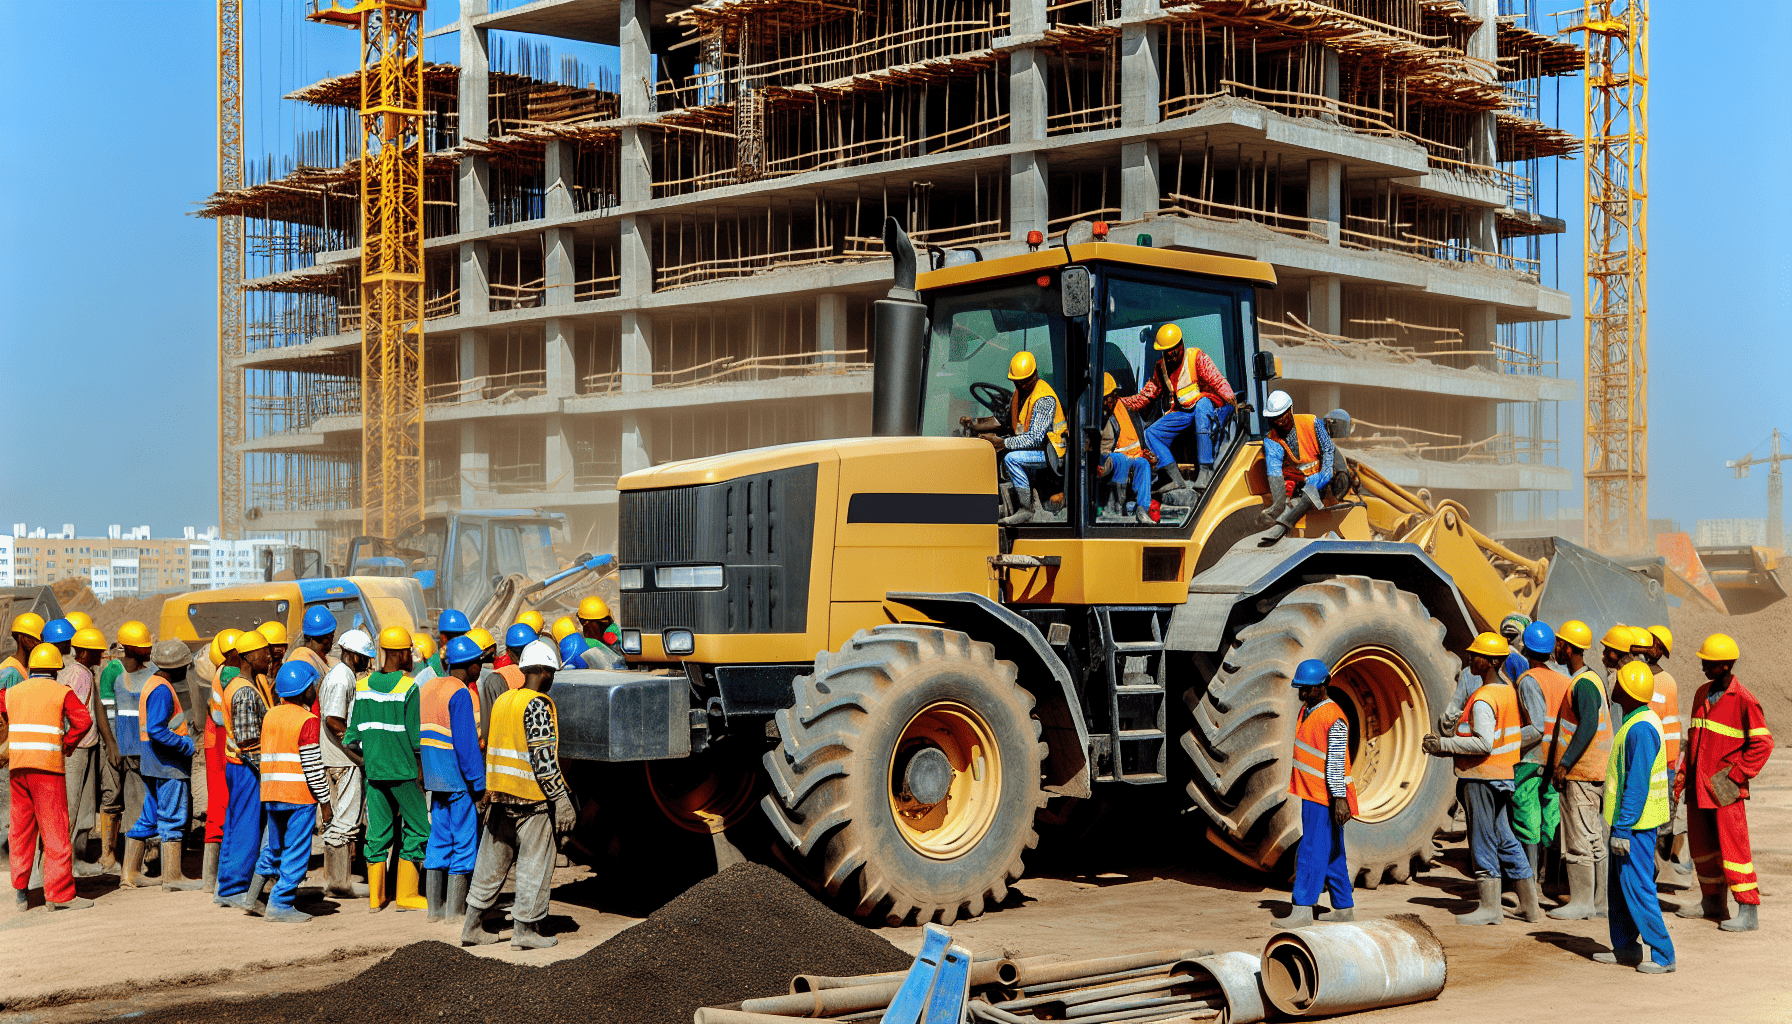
x=1385 y=701
x=949 y=827
x=701 y=802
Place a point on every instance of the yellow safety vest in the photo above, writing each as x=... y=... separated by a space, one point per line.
x=507 y=765
x=1655 y=809
x=1023 y=417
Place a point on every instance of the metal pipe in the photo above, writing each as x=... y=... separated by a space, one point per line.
x=1239 y=976
x=1096 y=995
x=1069 y=997
x=1101 y=979
x=1149 y=1013
x=718 y=1015
x=1341 y=968
x=995 y=971
x=1108 y=1008
x=826 y=1002
x=1066 y=970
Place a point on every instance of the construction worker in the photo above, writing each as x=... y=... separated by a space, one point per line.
x=450 y=624
x=1124 y=458
x=1487 y=748
x=1196 y=394
x=1512 y=627
x=135 y=670
x=1037 y=419
x=1321 y=779
x=1614 y=650
x=60 y=634
x=527 y=804
x=317 y=634
x=293 y=787
x=488 y=644
x=454 y=775
x=227 y=664
x=597 y=624
x=530 y=618
x=258 y=662
x=82 y=766
x=1636 y=804
x=1657 y=643
x=1536 y=806
x=578 y=652
x=1298 y=458
x=564 y=626
x=385 y=725
x=276 y=634
x=45 y=720
x=516 y=638
x=133 y=640
x=166 y=763
x=1578 y=756
x=533 y=619
x=423 y=652
x=342 y=766
x=27 y=633
x=244 y=821
x=1727 y=746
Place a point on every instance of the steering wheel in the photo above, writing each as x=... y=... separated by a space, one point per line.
x=994 y=398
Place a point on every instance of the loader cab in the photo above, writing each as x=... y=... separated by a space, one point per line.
x=981 y=313
x=459 y=558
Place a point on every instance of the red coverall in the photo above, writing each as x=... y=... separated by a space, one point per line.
x=1731 y=733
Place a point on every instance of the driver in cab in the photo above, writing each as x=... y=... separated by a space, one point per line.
x=1298 y=450
x=1037 y=419
x=1198 y=395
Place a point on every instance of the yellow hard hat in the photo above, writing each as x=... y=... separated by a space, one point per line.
x=226 y=640
x=394 y=638
x=134 y=634
x=1168 y=337
x=1108 y=385
x=217 y=650
x=1667 y=638
x=274 y=631
x=79 y=620
x=1577 y=633
x=45 y=656
x=88 y=638
x=1637 y=680
x=425 y=645
x=1022 y=366
x=1620 y=638
x=29 y=623
x=483 y=638
x=593 y=608
x=250 y=640
x=564 y=627
x=532 y=619
x=1719 y=647
x=1491 y=645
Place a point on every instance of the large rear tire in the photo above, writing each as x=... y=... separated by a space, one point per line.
x=907 y=778
x=1392 y=676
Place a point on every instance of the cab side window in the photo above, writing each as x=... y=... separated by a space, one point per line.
x=1136 y=310
x=973 y=338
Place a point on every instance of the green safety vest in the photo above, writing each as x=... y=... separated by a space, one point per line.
x=1655 y=808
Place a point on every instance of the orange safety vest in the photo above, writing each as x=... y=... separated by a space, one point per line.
x=1296 y=467
x=282 y=773
x=1311 y=737
x=309 y=657
x=1185 y=384
x=1555 y=692
x=1666 y=705
x=437 y=730
x=34 y=713
x=177 y=722
x=264 y=685
x=232 y=752
x=1126 y=432
x=1592 y=763
x=1503 y=760
x=513 y=677
x=1023 y=416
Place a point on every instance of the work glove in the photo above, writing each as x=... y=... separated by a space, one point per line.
x=1274 y=512
x=1620 y=846
x=1340 y=810
x=1724 y=789
x=1431 y=744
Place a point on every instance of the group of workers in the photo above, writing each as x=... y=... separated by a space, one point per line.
x=1195 y=395
x=1537 y=753
x=445 y=749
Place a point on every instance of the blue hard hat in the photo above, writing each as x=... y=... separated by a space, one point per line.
x=58 y=631
x=573 y=647
x=1539 y=639
x=519 y=635
x=461 y=650
x=453 y=620
x=294 y=678
x=1311 y=672
x=319 y=622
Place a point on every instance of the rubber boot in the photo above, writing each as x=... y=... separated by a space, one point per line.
x=80 y=866
x=405 y=896
x=435 y=891
x=1601 y=878
x=1297 y=917
x=1142 y=514
x=376 y=887
x=74 y=903
x=1527 y=899
x=172 y=879
x=456 y=904
x=1580 y=894
x=1630 y=957
x=1709 y=908
x=257 y=896
x=1490 y=911
x=1203 y=477
x=1339 y=916
x=131 y=870
x=1747 y=919
x=525 y=936
x=287 y=915
x=21 y=900
x=337 y=878
x=1534 y=853
x=472 y=930
x=210 y=872
x=1028 y=499
x=109 y=844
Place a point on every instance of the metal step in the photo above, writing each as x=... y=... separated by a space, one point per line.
x=1133 y=735
x=1145 y=779
x=1138 y=647
x=1146 y=688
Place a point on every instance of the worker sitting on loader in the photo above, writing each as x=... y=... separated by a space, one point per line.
x=1124 y=461
x=1299 y=457
x=1197 y=394
x=1037 y=418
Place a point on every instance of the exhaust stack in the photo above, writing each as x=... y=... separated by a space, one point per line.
x=901 y=321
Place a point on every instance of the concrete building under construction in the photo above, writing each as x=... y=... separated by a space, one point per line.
x=680 y=261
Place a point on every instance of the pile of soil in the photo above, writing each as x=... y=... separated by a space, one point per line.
x=74 y=595
x=1765 y=639
x=742 y=933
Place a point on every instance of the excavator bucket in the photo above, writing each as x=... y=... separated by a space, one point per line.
x=1592 y=588
x=1686 y=577
x=1745 y=577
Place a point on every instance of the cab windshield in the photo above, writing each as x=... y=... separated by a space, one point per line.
x=976 y=331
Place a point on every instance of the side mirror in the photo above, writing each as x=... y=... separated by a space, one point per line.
x=1269 y=366
x=1074 y=289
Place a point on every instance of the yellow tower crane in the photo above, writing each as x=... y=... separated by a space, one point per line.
x=391 y=256
x=230 y=269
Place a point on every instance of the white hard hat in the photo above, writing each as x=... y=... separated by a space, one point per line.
x=539 y=655
x=1278 y=403
x=358 y=641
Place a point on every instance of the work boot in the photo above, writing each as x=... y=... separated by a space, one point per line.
x=1339 y=915
x=131 y=871
x=456 y=904
x=1601 y=879
x=80 y=865
x=287 y=915
x=376 y=887
x=525 y=936
x=1490 y=911
x=1629 y=956
x=1747 y=919
x=256 y=899
x=109 y=844
x=210 y=871
x=1527 y=899
x=74 y=903
x=337 y=879
x=1651 y=967
x=472 y=930
x=1580 y=894
x=1142 y=514
x=1297 y=917
x=1203 y=477
x=435 y=891
x=1533 y=852
x=406 y=896
x=1027 y=500
x=172 y=879
x=21 y=900
x=1711 y=907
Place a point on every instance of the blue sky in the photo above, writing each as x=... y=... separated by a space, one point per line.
x=107 y=284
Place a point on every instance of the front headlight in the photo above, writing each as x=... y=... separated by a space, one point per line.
x=679 y=641
x=632 y=578
x=688 y=577
x=631 y=641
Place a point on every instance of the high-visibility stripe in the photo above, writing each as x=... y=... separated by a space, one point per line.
x=1741 y=869
x=515 y=755
x=1320 y=754
x=282 y=777
x=288 y=758
x=504 y=769
x=381 y=726
x=1302 y=766
x=1719 y=728
x=36 y=746
x=1744 y=886
x=395 y=695
x=23 y=727
x=127 y=713
x=430 y=741
x=429 y=727
x=1760 y=732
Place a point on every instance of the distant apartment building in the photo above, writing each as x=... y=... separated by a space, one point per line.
x=131 y=563
x=1718 y=533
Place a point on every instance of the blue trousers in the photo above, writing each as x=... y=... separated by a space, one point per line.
x=166 y=805
x=1018 y=462
x=1207 y=419
x=453 y=833
x=286 y=853
x=1136 y=472
x=1635 y=909
x=1492 y=845
x=243 y=825
x=1320 y=864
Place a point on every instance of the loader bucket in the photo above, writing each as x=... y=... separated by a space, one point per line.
x=1745 y=576
x=1686 y=576
x=1592 y=588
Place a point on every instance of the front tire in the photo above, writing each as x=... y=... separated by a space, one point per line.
x=907 y=776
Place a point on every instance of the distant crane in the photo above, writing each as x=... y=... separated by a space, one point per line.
x=1776 y=531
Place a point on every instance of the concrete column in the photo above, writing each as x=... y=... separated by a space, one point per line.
x=636 y=356
x=1026 y=18
x=1141 y=73
x=475 y=361
x=1483 y=147
x=635 y=257
x=1325 y=304
x=1029 y=204
x=562 y=369
x=634 y=452
x=1325 y=197
x=557 y=246
x=636 y=58
x=474 y=119
x=1323 y=398
x=1141 y=186
x=475 y=465
x=557 y=459
x=475 y=278
x=830 y=324
x=1480 y=331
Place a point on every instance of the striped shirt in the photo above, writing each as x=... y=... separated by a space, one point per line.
x=386 y=723
x=1337 y=756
